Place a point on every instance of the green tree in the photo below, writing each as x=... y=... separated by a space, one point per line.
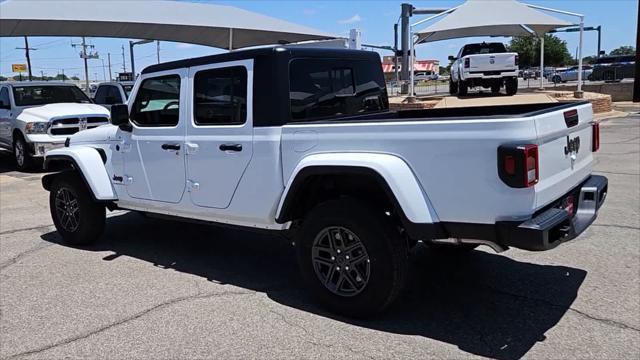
x=623 y=50
x=2 y=78
x=528 y=48
x=75 y=78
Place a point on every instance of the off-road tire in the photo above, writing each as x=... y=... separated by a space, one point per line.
x=21 y=154
x=463 y=89
x=386 y=249
x=453 y=87
x=511 y=86
x=90 y=216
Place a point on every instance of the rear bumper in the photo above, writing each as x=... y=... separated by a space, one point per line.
x=496 y=74
x=554 y=226
x=546 y=229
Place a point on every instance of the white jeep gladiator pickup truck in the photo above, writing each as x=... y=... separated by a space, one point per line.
x=38 y=116
x=300 y=141
x=487 y=65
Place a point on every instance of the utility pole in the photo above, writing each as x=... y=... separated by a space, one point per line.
x=86 y=56
x=124 y=63
x=104 y=73
x=109 y=62
x=63 y=75
x=158 y=50
x=41 y=75
x=26 y=49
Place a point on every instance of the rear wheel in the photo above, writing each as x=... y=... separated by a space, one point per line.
x=77 y=217
x=556 y=79
x=353 y=258
x=21 y=154
x=453 y=87
x=462 y=88
x=511 y=86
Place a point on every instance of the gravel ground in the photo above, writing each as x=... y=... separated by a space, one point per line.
x=160 y=289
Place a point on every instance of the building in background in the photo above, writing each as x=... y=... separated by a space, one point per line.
x=420 y=67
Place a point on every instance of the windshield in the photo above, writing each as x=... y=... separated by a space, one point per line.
x=48 y=94
x=490 y=48
x=127 y=89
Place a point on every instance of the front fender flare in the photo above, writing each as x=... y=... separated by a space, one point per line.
x=89 y=163
x=399 y=178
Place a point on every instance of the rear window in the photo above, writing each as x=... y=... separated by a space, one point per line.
x=321 y=88
x=491 y=48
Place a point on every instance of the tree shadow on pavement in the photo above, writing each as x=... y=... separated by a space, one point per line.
x=485 y=304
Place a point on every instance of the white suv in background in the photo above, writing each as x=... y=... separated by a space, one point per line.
x=38 y=116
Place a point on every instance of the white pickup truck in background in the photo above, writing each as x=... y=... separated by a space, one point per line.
x=301 y=142
x=486 y=65
x=39 y=116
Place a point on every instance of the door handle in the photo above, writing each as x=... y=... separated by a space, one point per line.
x=231 y=147
x=175 y=147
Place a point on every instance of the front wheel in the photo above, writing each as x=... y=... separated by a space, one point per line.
x=77 y=217
x=354 y=260
x=21 y=154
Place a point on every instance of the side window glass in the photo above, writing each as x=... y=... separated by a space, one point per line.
x=220 y=96
x=101 y=94
x=4 y=98
x=157 y=102
x=323 y=88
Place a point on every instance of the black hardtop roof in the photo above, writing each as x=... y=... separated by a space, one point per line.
x=281 y=51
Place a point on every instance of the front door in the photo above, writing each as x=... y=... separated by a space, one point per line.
x=5 y=116
x=219 y=138
x=154 y=157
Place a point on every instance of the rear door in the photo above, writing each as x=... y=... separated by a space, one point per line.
x=154 y=157
x=219 y=137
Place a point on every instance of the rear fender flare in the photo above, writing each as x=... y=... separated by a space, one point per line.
x=88 y=162
x=395 y=172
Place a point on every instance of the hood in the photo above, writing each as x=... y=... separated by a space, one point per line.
x=51 y=111
x=96 y=135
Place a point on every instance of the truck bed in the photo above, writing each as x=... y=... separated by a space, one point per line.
x=453 y=153
x=459 y=113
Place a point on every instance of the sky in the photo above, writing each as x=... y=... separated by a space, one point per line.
x=374 y=18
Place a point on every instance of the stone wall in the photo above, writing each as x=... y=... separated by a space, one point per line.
x=622 y=91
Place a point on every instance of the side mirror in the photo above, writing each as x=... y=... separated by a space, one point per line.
x=120 y=115
x=452 y=58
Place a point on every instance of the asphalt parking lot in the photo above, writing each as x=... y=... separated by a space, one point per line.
x=157 y=289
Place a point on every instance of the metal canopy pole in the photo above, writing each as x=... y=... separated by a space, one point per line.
x=542 y=62
x=579 y=93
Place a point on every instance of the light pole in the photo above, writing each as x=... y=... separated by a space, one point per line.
x=131 y=45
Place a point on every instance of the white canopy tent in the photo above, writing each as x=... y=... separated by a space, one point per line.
x=219 y=26
x=496 y=18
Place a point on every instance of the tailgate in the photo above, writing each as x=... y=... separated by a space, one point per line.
x=565 y=154
x=492 y=62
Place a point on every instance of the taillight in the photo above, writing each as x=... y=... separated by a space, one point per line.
x=515 y=61
x=595 y=139
x=467 y=63
x=518 y=165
